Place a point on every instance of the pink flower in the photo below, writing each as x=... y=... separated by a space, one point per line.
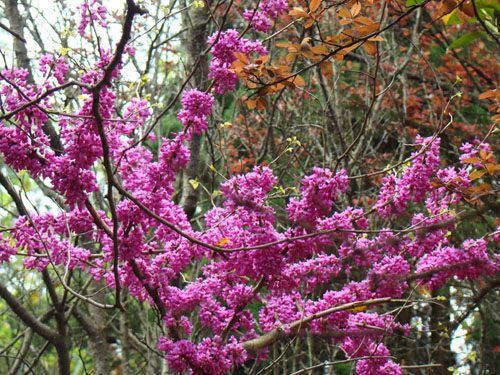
x=197 y=106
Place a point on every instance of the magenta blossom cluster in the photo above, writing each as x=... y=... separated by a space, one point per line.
x=224 y=45
x=91 y=11
x=268 y=9
x=414 y=182
x=56 y=68
x=254 y=276
x=197 y=106
x=471 y=150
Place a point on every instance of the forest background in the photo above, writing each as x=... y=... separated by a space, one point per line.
x=268 y=187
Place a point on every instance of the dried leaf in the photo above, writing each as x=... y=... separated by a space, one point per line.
x=355 y=9
x=308 y=23
x=326 y=69
x=472 y=160
x=492 y=168
x=314 y=5
x=343 y=12
x=447 y=6
x=370 y=47
x=241 y=56
x=320 y=50
x=487 y=94
x=477 y=174
x=299 y=13
x=485 y=155
x=290 y=57
x=364 y=20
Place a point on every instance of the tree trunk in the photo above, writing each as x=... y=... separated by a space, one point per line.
x=196 y=43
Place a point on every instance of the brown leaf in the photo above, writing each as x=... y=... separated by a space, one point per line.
x=364 y=20
x=487 y=94
x=308 y=23
x=343 y=12
x=447 y=6
x=492 y=168
x=472 y=160
x=485 y=155
x=290 y=57
x=251 y=103
x=477 y=174
x=370 y=47
x=326 y=69
x=377 y=38
x=241 y=56
x=314 y=4
x=355 y=9
x=299 y=13
x=320 y=50
x=261 y=103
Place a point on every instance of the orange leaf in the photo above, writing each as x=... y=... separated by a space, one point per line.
x=251 y=103
x=345 y=21
x=364 y=20
x=377 y=38
x=320 y=50
x=355 y=9
x=370 y=47
x=477 y=174
x=346 y=50
x=487 y=94
x=285 y=45
x=485 y=155
x=290 y=57
x=241 y=56
x=333 y=39
x=314 y=5
x=472 y=160
x=492 y=168
x=467 y=8
x=261 y=103
x=367 y=29
x=299 y=13
x=266 y=90
x=251 y=85
x=308 y=23
x=447 y=6
x=343 y=12
x=262 y=60
x=326 y=69
x=295 y=79
x=338 y=57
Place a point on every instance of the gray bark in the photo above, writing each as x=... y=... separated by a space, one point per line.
x=195 y=42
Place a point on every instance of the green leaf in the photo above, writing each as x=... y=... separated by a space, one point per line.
x=412 y=3
x=465 y=39
x=487 y=4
